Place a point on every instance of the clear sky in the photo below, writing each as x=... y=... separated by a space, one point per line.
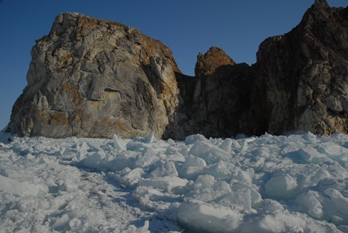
x=187 y=27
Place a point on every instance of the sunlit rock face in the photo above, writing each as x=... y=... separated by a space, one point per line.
x=213 y=60
x=94 y=78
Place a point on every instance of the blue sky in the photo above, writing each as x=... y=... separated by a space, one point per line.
x=187 y=27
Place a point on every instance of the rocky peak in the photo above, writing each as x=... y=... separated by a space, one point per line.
x=304 y=72
x=208 y=63
x=321 y=4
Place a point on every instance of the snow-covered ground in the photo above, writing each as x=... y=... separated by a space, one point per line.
x=295 y=183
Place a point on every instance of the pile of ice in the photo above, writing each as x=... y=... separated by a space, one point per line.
x=295 y=183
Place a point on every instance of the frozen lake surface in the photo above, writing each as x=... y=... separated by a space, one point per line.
x=295 y=183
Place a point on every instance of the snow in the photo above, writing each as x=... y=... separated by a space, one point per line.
x=293 y=183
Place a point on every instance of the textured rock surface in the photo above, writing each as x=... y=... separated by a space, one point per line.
x=216 y=102
x=94 y=78
x=299 y=83
x=213 y=60
x=304 y=74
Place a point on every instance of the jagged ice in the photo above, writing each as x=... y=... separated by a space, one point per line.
x=294 y=183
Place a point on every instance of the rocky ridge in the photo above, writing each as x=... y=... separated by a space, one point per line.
x=93 y=78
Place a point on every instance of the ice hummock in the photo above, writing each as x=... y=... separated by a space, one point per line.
x=294 y=183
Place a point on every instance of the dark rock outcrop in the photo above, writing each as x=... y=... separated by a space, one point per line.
x=93 y=78
x=214 y=103
x=299 y=83
x=304 y=74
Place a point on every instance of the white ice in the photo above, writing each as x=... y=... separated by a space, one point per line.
x=294 y=183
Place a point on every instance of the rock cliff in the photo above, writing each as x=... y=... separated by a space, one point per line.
x=299 y=83
x=214 y=102
x=94 y=78
x=304 y=74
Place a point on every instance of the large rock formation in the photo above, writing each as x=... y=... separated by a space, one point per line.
x=299 y=83
x=93 y=78
x=304 y=74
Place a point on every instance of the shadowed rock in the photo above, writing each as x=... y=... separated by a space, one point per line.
x=299 y=83
x=304 y=74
